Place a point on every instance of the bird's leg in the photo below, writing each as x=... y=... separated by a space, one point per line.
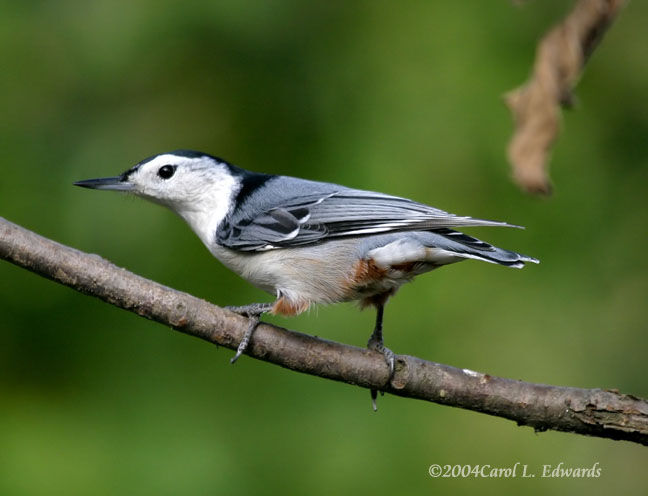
x=376 y=343
x=252 y=311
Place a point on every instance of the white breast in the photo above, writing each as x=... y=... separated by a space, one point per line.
x=315 y=273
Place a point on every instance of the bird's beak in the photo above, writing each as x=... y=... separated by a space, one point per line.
x=114 y=183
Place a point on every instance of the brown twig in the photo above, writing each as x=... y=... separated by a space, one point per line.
x=535 y=106
x=592 y=412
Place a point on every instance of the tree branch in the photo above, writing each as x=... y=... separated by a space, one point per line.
x=560 y=57
x=595 y=412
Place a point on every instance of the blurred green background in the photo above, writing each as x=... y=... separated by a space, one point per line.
x=401 y=98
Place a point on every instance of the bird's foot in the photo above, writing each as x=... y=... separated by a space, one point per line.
x=252 y=312
x=377 y=344
x=390 y=357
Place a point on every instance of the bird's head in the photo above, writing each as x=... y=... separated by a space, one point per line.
x=197 y=186
x=181 y=179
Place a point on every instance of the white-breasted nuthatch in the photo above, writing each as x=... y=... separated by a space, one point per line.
x=306 y=242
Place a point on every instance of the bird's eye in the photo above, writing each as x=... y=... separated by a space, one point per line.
x=166 y=171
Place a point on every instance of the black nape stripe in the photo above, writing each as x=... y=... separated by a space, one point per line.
x=250 y=182
x=195 y=154
x=179 y=153
x=191 y=154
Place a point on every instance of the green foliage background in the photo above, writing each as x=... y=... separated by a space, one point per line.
x=397 y=97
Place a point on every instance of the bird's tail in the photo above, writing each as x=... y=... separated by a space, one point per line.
x=468 y=247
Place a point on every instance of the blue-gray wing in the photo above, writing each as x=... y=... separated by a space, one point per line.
x=313 y=218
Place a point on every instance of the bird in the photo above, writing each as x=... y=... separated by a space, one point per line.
x=306 y=242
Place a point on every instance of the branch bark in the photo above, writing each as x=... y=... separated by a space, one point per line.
x=594 y=412
x=560 y=57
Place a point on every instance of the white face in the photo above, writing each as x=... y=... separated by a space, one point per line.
x=197 y=187
x=179 y=182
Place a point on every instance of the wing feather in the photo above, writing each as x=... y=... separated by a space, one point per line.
x=314 y=218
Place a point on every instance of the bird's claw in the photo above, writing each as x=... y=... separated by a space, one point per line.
x=388 y=355
x=241 y=347
x=237 y=310
x=390 y=360
x=252 y=312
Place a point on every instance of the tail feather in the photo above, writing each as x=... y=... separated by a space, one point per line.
x=468 y=247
